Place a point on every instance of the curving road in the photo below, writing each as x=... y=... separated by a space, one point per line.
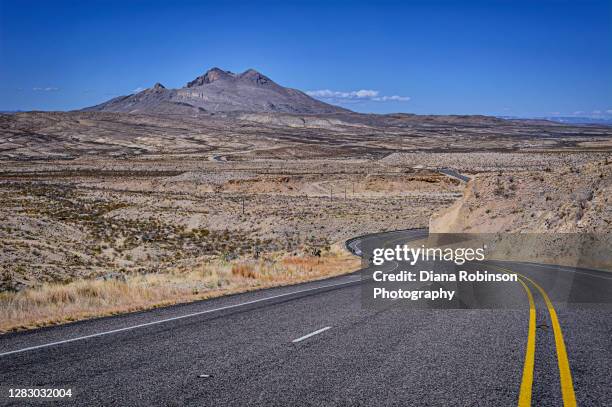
x=315 y=344
x=454 y=174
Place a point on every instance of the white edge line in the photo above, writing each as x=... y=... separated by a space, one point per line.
x=311 y=334
x=161 y=321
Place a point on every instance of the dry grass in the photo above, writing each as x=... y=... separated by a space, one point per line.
x=55 y=303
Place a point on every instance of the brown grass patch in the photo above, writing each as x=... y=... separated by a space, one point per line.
x=56 y=303
x=244 y=270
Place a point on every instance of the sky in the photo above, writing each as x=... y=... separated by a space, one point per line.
x=506 y=58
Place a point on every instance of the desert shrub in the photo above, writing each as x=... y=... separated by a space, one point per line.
x=499 y=188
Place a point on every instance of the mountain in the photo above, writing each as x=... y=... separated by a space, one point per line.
x=581 y=120
x=605 y=121
x=219 y=91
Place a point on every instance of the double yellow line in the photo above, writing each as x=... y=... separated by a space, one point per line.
x=565 y=374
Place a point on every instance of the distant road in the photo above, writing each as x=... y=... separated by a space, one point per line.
x=314 y=344
x=454 y=174
x=219 y=158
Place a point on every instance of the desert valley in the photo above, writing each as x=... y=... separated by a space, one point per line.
x=234 y=182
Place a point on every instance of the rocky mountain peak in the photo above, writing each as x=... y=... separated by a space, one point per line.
x=212 y=75
x=252 y=75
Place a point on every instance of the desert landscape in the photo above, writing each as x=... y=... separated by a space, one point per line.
x=234 y=183
x=305 y=203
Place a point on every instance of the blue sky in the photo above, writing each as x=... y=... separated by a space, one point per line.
x=520 y=58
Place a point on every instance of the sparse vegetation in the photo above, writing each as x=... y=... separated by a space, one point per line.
x=53 y=303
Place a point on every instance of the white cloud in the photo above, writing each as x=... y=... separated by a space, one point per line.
x=609 y=111
x=365 y=93
x=578 y=112
x=324 y=93
x=355 y=95
x=138 y=89
x=47 y=89
x=394 y=98
x=334 y=94
x=596 y=111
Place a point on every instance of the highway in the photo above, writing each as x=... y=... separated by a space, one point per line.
x=315 y=344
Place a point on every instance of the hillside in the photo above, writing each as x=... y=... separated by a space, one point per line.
x=570 y=199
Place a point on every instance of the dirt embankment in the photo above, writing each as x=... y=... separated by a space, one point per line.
x=559 y=205
x=568 y=199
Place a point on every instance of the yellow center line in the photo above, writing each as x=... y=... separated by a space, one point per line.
x=527 y=381
x=565 y=374
x=528 y=366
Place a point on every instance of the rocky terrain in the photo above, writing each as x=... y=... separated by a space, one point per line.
x=486 y=162
x=564 y=199
x=69 y=136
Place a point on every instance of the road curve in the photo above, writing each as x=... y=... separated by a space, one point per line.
x=314 y=344
x=454 y=174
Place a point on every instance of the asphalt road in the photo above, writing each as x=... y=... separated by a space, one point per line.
x=454 y=174
x=315 y=344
